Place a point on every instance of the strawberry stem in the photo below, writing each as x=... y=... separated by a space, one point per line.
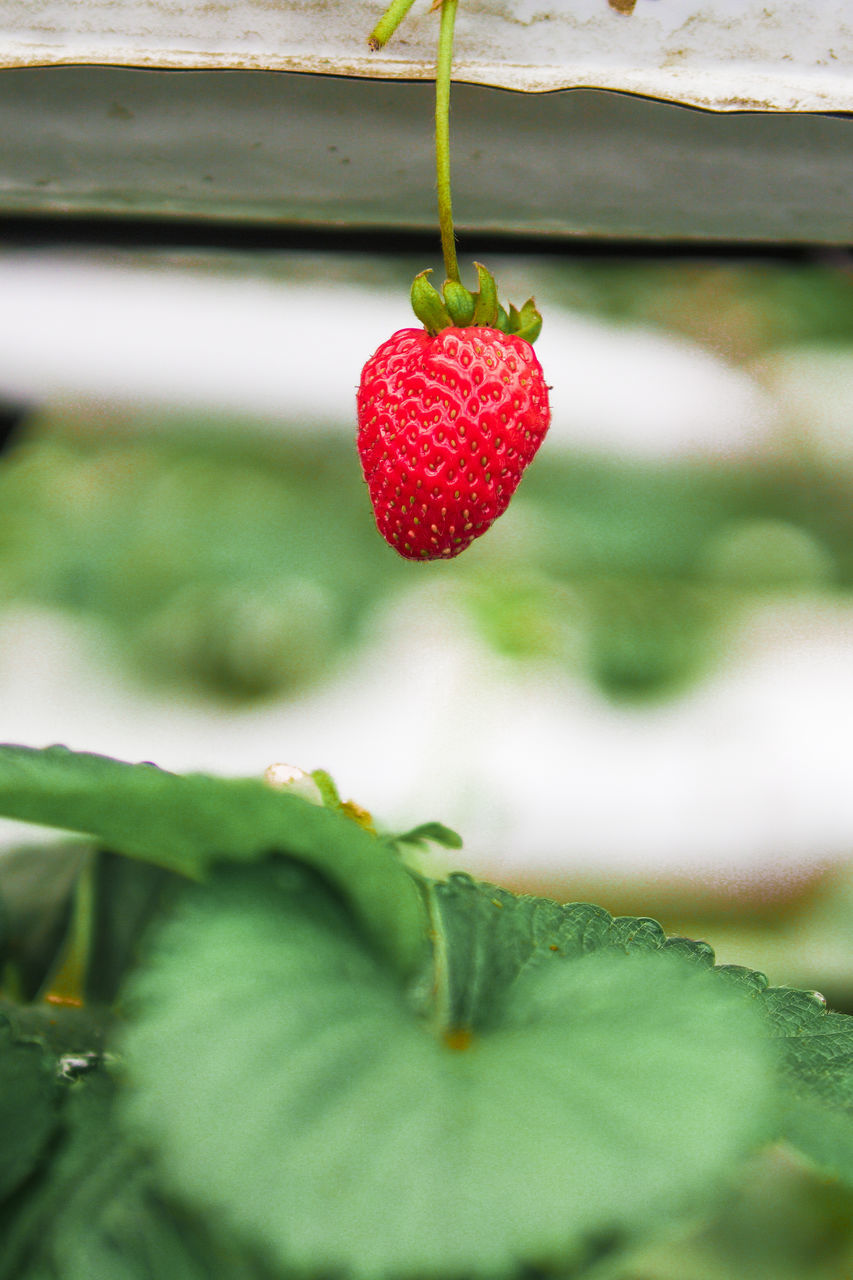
x=458 y=306
x=388 y=23
x=442 y=137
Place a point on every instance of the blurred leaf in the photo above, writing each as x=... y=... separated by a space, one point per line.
x=767 y=555
x=36 y=887
x=42 y=1050
x=29 y=1096
x=657 y=521
x=736 y=309
x=61 y=1030
x=243 y=641
x=242 y=567
x=96 y=1213
x=614 y=1090
x=128 y=895
x=783 y=1222
x=186 y=823
x=526 y=614
x=822 y=1132
x=648 y=639
x=236 y=566
x=434 y=832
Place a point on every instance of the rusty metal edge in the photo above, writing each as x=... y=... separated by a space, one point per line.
x=784 y=93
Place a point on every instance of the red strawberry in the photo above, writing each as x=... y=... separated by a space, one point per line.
x=447 y=423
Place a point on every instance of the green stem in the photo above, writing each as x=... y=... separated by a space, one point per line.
x=388 y=23
x=68 y=980
x=442 y=137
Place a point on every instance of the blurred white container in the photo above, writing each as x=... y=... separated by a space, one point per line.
x=78 y=328
x=737 y=793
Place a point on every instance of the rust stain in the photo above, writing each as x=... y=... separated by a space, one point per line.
x=712 y=59
x=789 y=94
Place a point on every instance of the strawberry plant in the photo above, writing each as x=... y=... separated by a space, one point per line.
x=245 y=1033
x=242 y=1035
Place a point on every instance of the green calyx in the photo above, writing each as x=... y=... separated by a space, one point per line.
x=457 y=306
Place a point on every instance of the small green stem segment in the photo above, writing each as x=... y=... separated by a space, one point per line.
x=67 y=983
x=442 y=137
x=388 y=23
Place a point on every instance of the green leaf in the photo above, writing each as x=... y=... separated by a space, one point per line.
x=36 y=889
x=486 y=299
x=490 y=937
x=427 y=304
x=128 y=894
x=784 y=1221
x=291 y=1091
x=435 y=832
x=29 y=1096
x=186 y=823
x=529 y=322
x=822 y=1132
x=459 y=302
x=97 y=1214
x=818 y=1044
x=61 y=1030
x=817 y=1059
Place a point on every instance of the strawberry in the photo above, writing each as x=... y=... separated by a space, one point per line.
x=449 y=417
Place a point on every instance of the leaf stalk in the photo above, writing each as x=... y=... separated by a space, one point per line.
x=388 y=23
